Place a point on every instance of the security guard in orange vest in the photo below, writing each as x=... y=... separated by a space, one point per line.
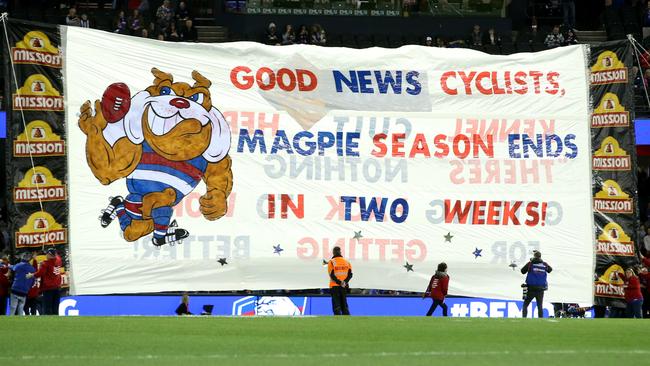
x=340 y=272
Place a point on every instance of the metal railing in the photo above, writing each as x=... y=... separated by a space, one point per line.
x=356 y=7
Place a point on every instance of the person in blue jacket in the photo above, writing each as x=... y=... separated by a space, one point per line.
x=21 y=284
x=535 y=272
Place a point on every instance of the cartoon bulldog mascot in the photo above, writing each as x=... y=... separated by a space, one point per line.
x=164 y=140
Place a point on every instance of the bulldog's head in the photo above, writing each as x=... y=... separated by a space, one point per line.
x=178 y=120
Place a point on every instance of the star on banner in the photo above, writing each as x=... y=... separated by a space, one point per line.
x=277 y=250
x=409 y=267
x=222 y=261
x=357 y=235
x=513 y=265
x=448 y=237
x=477 y=253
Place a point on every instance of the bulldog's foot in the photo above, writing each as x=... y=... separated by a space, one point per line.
x=173 y=236
x=110 y=212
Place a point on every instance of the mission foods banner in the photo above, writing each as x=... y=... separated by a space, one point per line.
x=240 y=166
x=614 y=169
x=36 y=166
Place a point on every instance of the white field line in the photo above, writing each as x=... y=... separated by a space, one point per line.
x=327 y=355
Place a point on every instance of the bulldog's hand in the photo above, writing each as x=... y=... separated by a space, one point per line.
x=213 y=204
x=89 y=123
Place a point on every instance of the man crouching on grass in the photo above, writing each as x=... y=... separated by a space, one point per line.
x=340 y=273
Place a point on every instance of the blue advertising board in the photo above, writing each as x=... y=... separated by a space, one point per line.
x=642 y=131
x=292 y=306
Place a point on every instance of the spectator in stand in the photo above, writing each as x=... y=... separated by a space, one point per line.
x=555 y=38
x=570 y=38
x=72 y=19
x=164 y=14
x=318 y=35
x=188 y=33
x=569 y=12
x=50 y=275
x=84 y=22
x=476 y=37
x=272 y=38
x=646 y=238
x=171 y=33
x=135 y=22
x=492 y=38
x=517 y=11
x=143 y=8
x=428 y=41
x=121 y=23
x=182 y=12
x=5 y=284
x=456 y=43
x=440 y=42
x=144 y=33
x=288 y=37
x=152 y=29
x=437 y=289
x=633 y=295
x=303 y=35
x=23 y=281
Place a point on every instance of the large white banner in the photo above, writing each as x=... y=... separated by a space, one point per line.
x=402 y=157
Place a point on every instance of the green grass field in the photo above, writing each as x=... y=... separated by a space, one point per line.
x=321 y=341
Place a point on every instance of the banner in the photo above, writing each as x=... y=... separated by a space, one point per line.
x=614 y=169
x=36 y=164
x=240 y=166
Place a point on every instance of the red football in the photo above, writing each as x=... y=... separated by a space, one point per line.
x=116 y=101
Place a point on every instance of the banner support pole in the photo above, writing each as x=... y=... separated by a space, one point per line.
x=3 y=18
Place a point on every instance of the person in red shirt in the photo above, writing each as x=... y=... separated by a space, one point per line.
x=633 y=295
x=437 y=289
x=50 y=274
x=644 y=278
x=5 y=284
x=32 y=306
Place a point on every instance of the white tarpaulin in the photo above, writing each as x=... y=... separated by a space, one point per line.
x=402 y=157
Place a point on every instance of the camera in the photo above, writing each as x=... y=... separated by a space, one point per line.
x=524 y=288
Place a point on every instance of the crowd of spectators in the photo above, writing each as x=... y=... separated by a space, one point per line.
x=31 y=283
x=314 y=34
x=558 y=38
x=560 y=35
x=167 y=23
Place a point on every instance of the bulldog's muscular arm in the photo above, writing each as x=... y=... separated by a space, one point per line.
x=218 y=179
x=108 y=163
